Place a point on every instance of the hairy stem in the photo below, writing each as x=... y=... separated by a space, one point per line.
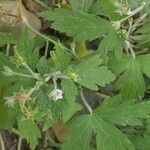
x=30 y=70
x=44 y=36
x=85 y=102
x=22 y=75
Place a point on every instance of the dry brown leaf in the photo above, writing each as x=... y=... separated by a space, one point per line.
x=60 y=130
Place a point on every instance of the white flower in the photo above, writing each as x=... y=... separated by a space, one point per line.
x=56 y=94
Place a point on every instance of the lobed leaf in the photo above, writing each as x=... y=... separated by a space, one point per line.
x=76 y=23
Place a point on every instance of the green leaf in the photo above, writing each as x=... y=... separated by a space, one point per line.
x=142 y=37
x=144 y=28
x=7 y=117
x=78 y=24
x=25 y=47
x=6 y=38
x=71 y=92
x=81 y=5
x=107 y=8
x=143 y=142
x=113 y=42
x=118 y=65
x=91 y=74
x=69 y=109
x=69 y=106
x=42 y=66
x=132 y=3
x=43 y=100
x=131 y=70
x=13 y=88
x=5 y=61
x=130 y=112
x=108 y=137
x=145 y=63
x=28 y=129
x=80 y=134
x=61 y=59
x=127 y=83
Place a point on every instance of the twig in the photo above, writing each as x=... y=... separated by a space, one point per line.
x=2 y=145
x=85 y=102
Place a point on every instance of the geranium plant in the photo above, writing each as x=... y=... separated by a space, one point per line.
x=46 y=76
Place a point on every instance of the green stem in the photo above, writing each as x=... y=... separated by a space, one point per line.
x=85 y=102
x=22 y=75
x=30 y=70
x=44 y=36
x=57 y=145
x=55 y=83
x=142 y=51
x=7 y=49
x=15 y=131
x=46 y=49
x=101 y=95
x=134 y=12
